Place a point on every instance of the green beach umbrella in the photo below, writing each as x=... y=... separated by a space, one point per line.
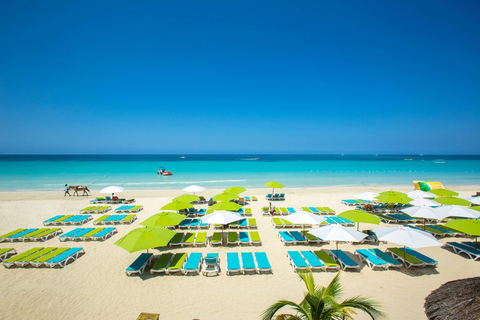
x=443 y=192
x=449 y=201
x=145 y=238
x=227 y=206
x=470 y=227
x=176 y=205
x=186 y=198
x=273 y=185
x=360 y=216
x=225 y=196
x=236 y=190
x=393 y=197
x=163 y=219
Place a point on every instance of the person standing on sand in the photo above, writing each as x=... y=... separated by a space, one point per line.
x=66 y=190
x=271 y=208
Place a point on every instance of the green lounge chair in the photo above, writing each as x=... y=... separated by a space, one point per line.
x=101 y=219
x=30 y=235
x=177 y=263
x=252 y=223
x=408 y=260
x=201 y=239
x=247 y=211
x=329 y=210
x=26 y=260
x=284 y=210
x=45 y=235
x=307 y=209
x=322 y=210
x=278 y=223
x=11 y=261
x=255 y=238
x=311 y=238
x=129 y=219
x=232 y=238
x=177 y=239
x=188 y=239
x=162 y=263
x=90 y=234
x=216 y=238
x=5 y=236
x=5 y=253
x=287 y=223
x=329 y=263
x=41 y=261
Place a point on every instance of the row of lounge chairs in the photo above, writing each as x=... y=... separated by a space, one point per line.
x=467 y=248
x=308 y=260
x=115 y=219
x=247 y=223
x=388 y=207
x=189 y=239
x=129 y=209
x=355 y=202
x=275 y=197
x=88 y=234
x=297 y=237
x=33 y=234
x=67 y=220
x=193 y=224
x=278 y=211
x=202 y=212
x=247 y=262
x=113 y=200
x=437 y=230
x=44 y=257
x=96 y=209
x=319 y=210
x=244 y=238
x=288 y=210
x=251 y=198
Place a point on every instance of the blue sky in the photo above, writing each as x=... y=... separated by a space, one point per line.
x=239 y=77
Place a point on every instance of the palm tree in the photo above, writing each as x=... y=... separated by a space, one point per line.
x=320 y=303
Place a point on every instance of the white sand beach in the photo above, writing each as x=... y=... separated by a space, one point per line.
x=95 y=286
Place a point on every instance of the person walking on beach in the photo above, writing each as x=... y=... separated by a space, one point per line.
x=271 y=208
x=66 y=190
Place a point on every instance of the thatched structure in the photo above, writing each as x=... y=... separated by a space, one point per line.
x=455 y=300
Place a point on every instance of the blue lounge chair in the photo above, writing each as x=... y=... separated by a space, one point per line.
x=385 y=257
x=62 y=259
x=296 y=261
x=286 y=238
x=194 y=224
x=80 y=234
x=314 y=210
x=299 y=238
x=69 y=234
x=464 y=247
x=344 y=260
x=243 y=223
x=312 y=260
x=184 y=224
x=103 y=234
x=211 y=264
x=428 y=261
x=193 y=264
x=139 y=265
x=243 y=237
x=248 y=262
x=51 y=220
x=21 y=234
x=372 y=260
x=203 y=225
x=291 y=210
x=263 y=265
x=233 y=263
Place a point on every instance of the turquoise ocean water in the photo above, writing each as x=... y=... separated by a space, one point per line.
x=51 y=172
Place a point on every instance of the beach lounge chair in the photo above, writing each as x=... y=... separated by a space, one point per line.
x=177 y=263
x=32 y=234
x=184 y=224
x=6 y=253
x=64 y=258
x=135 y=209
x=344 y=260
x=189 y=239
x=243 y=238
x=232 y=238
x=278 y=223
x=283 y=211
x=103 y=234
x=387 y=219
x=371 y=259
x=89 y=235
x=298 y=237
x=177 y=239
x=81 y=219
x=68 y=235
x=392 y=263
x=314 y=210
x=129 y=219
x=194 y=224
x=51 y=221
x=248 y=262
x=263 y=265
x=45 y=235
x=26 y=260
x=252 y=223
x=243 y=224
x=211 y=264
x=7 y=263
x=427 y=260
x=307 y=209
x=101 y=220
x=193 y=264
x=458 y=248
x=17 y=236
x=286 y=238
x=247 y=211
x=269 y=196
x=233 y=263
x=162 y=263
x=310 y=237
x=5 y=236
x=329 y=263
x=201 y=239
x=41 y=260
x=313 y=261
x=406 y=258
x=139 y=265
x=329 y=210
x=216 y=239
x=287 y=223
x=441 y=230
x=296 y=261
x=255 y=238
x=204 y=225
x=78 y=234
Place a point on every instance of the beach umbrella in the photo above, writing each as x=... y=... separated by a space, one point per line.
x=443 y=192
x=369 y=196
x=393 y=197
x=145 y=238
x=222 y=217
x=360 y=216
x=450 y=201
x=194 y=188
x=112 y=189
x=457 y=211
x=163 y=219
x=186 y=198
x=424 y=212
x=337 y=232
x=474 y=200
x=423 y=202
x=225 y=196
x=303 y=217
x=273 y=185
x=407 y=237
x=236 y=190
x=470 y=227
x=419 y=194
x=229 y=206
x=176 y=205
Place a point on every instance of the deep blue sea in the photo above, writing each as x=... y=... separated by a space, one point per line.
x=51 y=172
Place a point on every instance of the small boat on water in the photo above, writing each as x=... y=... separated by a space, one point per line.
x=438 y=161
x=163 y=172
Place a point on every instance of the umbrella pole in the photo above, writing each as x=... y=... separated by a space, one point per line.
x=404 y=256
x=337 y=247
x=475 y=243
x=423 y=224
x=358 y=225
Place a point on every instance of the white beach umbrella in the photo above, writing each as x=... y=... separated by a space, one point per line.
x=369 y=196
x=303 y=217
x=457 y=211
x=222 y=217
x=112 y=189
x=420 y=194
x=424 y=202
x=424 y=212
x=474 y=200
x=194 y=188
x=337 y=232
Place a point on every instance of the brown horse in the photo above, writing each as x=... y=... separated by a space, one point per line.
x=79 y=188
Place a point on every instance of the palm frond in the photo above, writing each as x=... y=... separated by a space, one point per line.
x=365 y=304
x=269 y=313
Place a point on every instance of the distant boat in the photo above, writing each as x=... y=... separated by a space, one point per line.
x=407 y=159
x=251 y=159
x=438 y=161
x=183 y=156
